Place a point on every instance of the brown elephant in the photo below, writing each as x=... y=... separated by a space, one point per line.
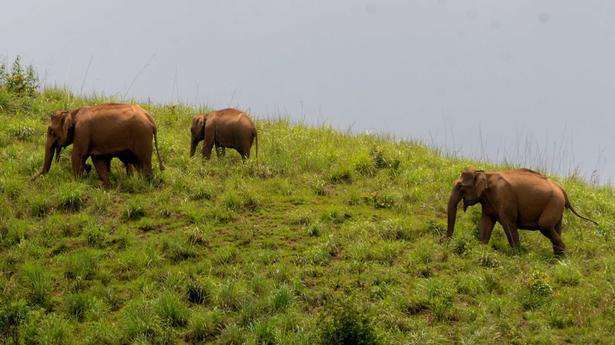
x=224 y=128
x=517 y=199
x=103 y=132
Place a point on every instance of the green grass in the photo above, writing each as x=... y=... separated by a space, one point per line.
x=326 y=238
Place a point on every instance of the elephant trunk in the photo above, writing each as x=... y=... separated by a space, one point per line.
x=193 y=145
x=50 y=148
x=58 y=150
x=453 y=201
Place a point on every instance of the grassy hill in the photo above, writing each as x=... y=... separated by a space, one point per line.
x=328 y=236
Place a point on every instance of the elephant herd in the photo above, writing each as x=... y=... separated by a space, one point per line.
x=517 y=199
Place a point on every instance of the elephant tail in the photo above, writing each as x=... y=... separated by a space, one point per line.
x=569 y=206
x=256 y=139
x=158 y=151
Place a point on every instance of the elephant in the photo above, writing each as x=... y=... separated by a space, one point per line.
x=103 y=132
x=517 y=199
x=224 y=128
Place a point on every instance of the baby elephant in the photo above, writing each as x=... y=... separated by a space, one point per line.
x=224 y=128
x=518 y=199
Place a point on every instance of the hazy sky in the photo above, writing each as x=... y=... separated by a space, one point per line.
x=524 y=81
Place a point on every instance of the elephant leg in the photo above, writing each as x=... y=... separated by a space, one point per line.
x=207 y=147
x=142 y=155
x=512 y=234
x=208 y=143
x=108 y=164
x=220 y=151
x=128 y=167
x=485 y=228
x=559 y=247
x=553 y=215
x=78 y=162
x=101 y=165
x=558 y=228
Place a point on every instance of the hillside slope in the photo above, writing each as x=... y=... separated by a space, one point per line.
x=327 y=235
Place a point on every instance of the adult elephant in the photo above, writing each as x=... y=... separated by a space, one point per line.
x=517 y=199
x=224 y=128
x=103 y=132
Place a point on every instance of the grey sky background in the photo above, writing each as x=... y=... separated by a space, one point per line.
x=531 y=82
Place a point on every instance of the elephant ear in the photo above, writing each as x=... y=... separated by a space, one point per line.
x=198 y=125
x=480 y=182
x=68 y=125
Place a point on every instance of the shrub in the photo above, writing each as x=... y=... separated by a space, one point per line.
x=37 y=281
x=205 y=325
x=12 y=315
x=79 y=304
x=134 y=211
x=342 y=322
x=231 y=296
x=565 y=273
x=281 y=299
x=22 y=132
x=95 y=235
x=177 y=251
x=264 y=332
x=140 y=321
x=81 y=265
x=171 y=310
x=40 y=206
x=438 y=294
x=537 y=291
x=19 y=81
x=71 y=197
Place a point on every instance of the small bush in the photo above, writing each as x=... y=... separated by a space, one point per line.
x=565 y=273
x=71 y=197
x=134 y=211
x=231 y=296
x=79 y=304
x=171 y=310
x=12 y=315
x=232 y=334
x=341 y=175
x=22 y=132
x=177 y=251
x=140 y=321
x=225 y=255
x=264 y=332
x=199 y=236
x=50 y=329
x=205 y=325
x=537 y=291
x=81 y=265
x=281 y=299
x=342 y=322
x=382 y=162
x=314 y=229
x=438 y=295
x=37 y=281
x=20 y=80
x=40 y=207
x=95 y=235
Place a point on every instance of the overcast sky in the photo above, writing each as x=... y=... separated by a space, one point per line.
x=525 y=81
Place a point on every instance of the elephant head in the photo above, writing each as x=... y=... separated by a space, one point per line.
x=59 y=135
x=469 y=187
x=198 y=131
